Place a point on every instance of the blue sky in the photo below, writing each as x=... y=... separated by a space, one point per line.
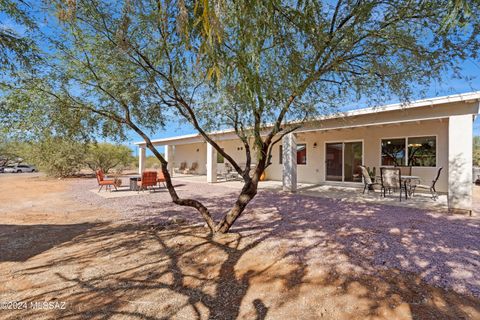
x=449 y=85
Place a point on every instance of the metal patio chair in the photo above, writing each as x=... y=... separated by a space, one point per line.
x=367 y=180
x=430 y=187
x=392 y=179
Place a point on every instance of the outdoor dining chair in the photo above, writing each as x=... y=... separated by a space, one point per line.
x=405 y=170
x=391 y=178
x=430 y=187
x=367 y=180
x=161 y=178
x=102 y=182
x=149 y=179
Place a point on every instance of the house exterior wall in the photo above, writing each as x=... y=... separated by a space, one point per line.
x=447 y=118
x=314 y=170
x=188 y=153
x=235 y=149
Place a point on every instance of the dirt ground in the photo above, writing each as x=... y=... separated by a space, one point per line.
x=63 y=259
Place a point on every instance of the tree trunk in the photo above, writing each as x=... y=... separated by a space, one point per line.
x=170 y=187
x=248 y=192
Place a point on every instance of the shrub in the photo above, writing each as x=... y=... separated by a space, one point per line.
x=106 y=156
x=58 y=157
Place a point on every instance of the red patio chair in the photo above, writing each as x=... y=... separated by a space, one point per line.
x=102 y=182
x=149 y=179
x=161 y=178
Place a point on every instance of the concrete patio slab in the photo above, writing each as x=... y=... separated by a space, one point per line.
x=343 y=193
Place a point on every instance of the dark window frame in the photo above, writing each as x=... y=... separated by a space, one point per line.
x=280 y=154
x=407 y=160
x=434 y=147
x=382 y=153
x=306 y=154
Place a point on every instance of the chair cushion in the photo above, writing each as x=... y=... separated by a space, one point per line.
x=106 y=182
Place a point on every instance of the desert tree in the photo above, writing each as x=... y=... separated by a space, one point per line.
x=107 y=156
x=17 y=49
x=259 y=67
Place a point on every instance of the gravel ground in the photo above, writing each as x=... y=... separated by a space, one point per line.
x=343 y=236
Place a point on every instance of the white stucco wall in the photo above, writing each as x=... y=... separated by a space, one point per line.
x=314 y=170
x=190 y=153
x=460 y=159
x=370 y=128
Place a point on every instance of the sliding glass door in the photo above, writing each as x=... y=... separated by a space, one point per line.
x=342 y=161
x=334 y=161
x=353 y=157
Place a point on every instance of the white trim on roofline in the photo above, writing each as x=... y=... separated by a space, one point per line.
x=466 y=97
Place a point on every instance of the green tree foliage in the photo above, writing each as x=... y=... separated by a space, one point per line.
x=106 y=156
x=16 y=49
x=11 y=151
x=254 y=66
x=476 y=151
x=58 y=157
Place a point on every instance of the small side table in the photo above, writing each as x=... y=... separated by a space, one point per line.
x=134 y=183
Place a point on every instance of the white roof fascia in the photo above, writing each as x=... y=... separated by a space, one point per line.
x=466 y=97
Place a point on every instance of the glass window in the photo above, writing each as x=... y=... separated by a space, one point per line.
x=422 y=151
x=301 y=153
x=393 y=152
x=220 y=158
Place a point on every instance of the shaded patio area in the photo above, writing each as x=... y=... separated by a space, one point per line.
x=350 y=193
x=344 y=193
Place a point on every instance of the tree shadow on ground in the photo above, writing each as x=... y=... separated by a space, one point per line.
x=289 y=255
x=21 y=242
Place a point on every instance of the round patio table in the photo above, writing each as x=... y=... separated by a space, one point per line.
x=406 y=180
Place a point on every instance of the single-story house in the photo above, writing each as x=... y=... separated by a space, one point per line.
x=425 y=134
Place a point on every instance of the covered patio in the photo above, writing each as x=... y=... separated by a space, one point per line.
x=343 y=193
x=351 y=193
x=325 y=154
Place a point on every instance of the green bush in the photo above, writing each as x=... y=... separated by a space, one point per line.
x=151 y=162
x=106 y=156
x=476 y=151
x=58 y=157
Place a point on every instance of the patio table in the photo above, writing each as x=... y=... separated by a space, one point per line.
x=406 y=180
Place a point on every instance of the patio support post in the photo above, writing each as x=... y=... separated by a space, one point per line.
x=169 y=158
x=289 y=161
x=211 y=164
x=460 y=132
x=141 y=160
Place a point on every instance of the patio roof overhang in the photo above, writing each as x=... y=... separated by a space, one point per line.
x=416 y=111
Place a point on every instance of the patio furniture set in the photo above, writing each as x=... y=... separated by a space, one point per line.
x=148 y=180
x=228 y=173
x=399 y=178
